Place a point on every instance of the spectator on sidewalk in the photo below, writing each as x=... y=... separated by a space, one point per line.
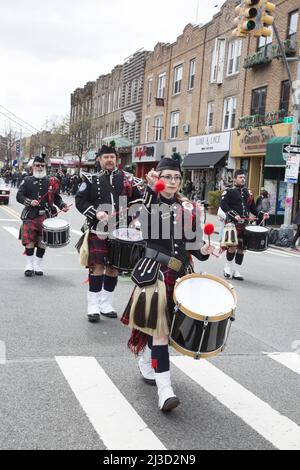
x=296 y=222
x=262 y=202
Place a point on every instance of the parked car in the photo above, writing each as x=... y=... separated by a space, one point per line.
x=4 y=192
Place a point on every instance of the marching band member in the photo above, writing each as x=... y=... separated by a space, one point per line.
x=238 y=203
x=169 y=224
x=98 y=192
x=39 y=198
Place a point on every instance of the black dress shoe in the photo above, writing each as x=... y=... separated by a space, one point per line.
x=170 y=404
x=28 y=273
x=39 y=273
x=110 y=314
x=94 y=318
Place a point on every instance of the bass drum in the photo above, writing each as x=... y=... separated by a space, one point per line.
x=56 y=233
x=126 y=246
x=256 y=238
x=202 y=322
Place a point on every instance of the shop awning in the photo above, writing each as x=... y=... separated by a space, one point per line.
x=203 y=160
x=119 y=140
x=274 y=156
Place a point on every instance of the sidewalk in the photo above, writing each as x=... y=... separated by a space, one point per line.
x=213 y=219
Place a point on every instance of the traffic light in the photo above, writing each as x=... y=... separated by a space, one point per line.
x=266 y=18
x=248 y=12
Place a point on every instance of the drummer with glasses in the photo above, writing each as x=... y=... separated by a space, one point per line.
x=39 y=201
x=171 y=227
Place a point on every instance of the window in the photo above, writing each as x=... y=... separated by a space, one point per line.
x=210 y=115
x=147 y=123
x=161 y=86
x=265 y=41
x=177 y=80
x=103 y=105
x=174 y=125
x=293 y=23
x=229 y=113
x=119 y=97
x=234 y=57
x=258 y=103
x=192 y=74
x=217 y=66
x=127 y=93
x=285 y=96
x=114 y=100
x=149 y=91
x=109 y=103
x=158 y=128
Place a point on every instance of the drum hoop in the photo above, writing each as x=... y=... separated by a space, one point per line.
x=196 y=316
x=186 y=352
x=55 y=229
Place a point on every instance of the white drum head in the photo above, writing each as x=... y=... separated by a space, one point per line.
x=257 y=229
x=55 y=224
x=128 y=234
x=204 y=296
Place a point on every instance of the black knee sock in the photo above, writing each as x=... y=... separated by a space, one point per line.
x=40 y=252
x=150 y=342
x=29 y=251
x=110 y=283
x=239 y=258
x=230 y=256
x=160 y=358
x=96 y=283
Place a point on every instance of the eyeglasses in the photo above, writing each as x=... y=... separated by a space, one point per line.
x=38 y=165
x=170 y=178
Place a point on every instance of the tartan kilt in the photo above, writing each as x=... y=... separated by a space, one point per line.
x=98 y=250
x=32 y=230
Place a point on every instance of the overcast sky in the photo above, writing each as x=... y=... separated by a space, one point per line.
x=48 y=48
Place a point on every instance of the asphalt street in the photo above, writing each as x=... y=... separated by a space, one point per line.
x=69 y=384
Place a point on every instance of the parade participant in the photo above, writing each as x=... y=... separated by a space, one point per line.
x=172 y=230
x=103 y=188
x=39 y=203
x=238 y=203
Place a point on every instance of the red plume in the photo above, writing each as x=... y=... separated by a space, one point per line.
x=160 y=186
x=209 y=229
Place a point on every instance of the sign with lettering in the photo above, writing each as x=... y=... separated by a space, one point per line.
x=210 y=143
x=256 y=141
x=147 y=152
x=292 y=168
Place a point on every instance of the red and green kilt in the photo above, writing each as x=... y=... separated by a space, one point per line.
x=32 y=230
x=98 y=250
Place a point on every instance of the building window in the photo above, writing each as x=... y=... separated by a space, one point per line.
x=210 y=116
x=109 y=103
x=103 y=105
x=174 y=125
x=149 y=91
x=229 y=113
x=158 y=128
x=285 y=96
x=161 y=86
x=192 y=74
x=265 y=41
x=293 y=24
x=258 y=102
x=147 y=124
x=234 y=57
x=119 y=97
x=177 y=80
x=114 y=100
x=217 y=66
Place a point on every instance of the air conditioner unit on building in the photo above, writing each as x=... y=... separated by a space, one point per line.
x=186 y=128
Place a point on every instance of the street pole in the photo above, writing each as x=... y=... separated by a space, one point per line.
x=294 y=141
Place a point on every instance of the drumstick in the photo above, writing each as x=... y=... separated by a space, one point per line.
x=62 y=210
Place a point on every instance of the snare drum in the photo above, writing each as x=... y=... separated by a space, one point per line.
x=204 y=312
x=256 y=238
x=126 y=246
x=56 y=233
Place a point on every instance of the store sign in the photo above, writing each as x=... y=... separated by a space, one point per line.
x=147 y=153
x=256 y=141
x=292 y=169
x=210 y=143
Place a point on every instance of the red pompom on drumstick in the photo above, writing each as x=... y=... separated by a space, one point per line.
x=159 y=186
x=209 y=229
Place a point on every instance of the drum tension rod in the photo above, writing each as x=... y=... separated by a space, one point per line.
x=205 y=325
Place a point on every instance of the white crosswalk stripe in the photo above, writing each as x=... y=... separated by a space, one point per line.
x=106 y=407
x=13 y=231
x=283 y=433
x=289 y=360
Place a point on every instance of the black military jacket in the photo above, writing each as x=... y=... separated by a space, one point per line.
x=238 y=201
x=102 y=190
x=171 y=226
x=33 y=188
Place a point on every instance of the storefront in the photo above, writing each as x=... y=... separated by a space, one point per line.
x=249 y=148
x=146 y=157
x=208 y=162
x=274 y=176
